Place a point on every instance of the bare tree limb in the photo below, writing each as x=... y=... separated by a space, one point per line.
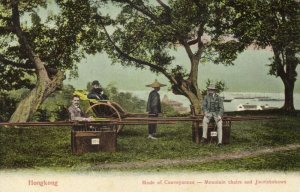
x=193 y=41
x=143 y=10
x=136 y=60
x=166 y=7
x=30 y=53
x=6 y=29
x=200 y=43
x=187 y=47
x=13 y=63
x=8 y=19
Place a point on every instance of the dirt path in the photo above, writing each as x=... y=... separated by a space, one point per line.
x=175 y=162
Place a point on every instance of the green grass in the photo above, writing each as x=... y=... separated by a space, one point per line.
x=279 y=161
x=49 y=147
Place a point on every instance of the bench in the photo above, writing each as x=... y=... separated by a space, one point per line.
x=93 y=139
x=212 y=127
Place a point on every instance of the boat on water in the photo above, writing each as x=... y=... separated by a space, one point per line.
x=261 y=97
x=266 y=107
x=244 y=97
x=226 y=99
x=251 y=107
x=270 y=99
x=248 y=107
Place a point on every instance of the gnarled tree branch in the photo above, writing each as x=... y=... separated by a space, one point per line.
x=6 y=61
x=30 y=53
x=136 y=60
x=166 y=7
x=143 y=10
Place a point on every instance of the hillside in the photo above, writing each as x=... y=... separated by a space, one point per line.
x=249 y=74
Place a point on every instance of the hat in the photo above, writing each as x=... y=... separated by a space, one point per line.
x=96 y=83
x=212 y=87
x=156 y=84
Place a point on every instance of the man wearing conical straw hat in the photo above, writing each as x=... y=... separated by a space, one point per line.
x=153 y=106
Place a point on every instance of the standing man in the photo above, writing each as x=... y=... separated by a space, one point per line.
x=212 y=107
x=75 y=111
x=153 y=106
x=97 y=92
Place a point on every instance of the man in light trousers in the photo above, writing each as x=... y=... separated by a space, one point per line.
x=212 y=107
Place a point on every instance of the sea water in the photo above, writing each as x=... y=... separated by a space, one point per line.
x=237 y=99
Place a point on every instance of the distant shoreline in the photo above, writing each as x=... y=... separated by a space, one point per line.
x=276 y=99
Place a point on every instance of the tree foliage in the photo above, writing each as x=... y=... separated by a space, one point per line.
x=220 y=87
x=7 y=106
x=144 y=34
x=59 y=39
x=273 y=23
x=37 y=49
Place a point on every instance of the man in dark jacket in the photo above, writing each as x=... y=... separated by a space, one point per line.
x=97 y=92
x=212 y=107
x=153 y=106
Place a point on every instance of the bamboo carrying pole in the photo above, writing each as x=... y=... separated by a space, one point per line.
x=78 y=123
x=136 y=121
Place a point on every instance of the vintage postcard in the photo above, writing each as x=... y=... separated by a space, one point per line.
x=149 y=95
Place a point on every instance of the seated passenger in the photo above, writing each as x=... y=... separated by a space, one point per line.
x=96 y=92
x=76 y=112
x=212 y=107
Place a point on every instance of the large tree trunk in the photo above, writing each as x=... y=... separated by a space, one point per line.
x=44 y=86
x=286 y=64
x=289 y=79
x=196 y=103
x=195 y=111
x=190 y=90
x=28 y=106
x=189 y=87
x=289 y=95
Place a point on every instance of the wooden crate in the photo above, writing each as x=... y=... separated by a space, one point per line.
x=93 y=141
x=212 y=127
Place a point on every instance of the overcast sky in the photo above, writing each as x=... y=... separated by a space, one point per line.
x=248 y=74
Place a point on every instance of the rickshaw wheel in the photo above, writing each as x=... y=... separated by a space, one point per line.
x=112 y=109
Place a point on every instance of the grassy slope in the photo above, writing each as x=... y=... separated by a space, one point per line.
x=50 y=147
